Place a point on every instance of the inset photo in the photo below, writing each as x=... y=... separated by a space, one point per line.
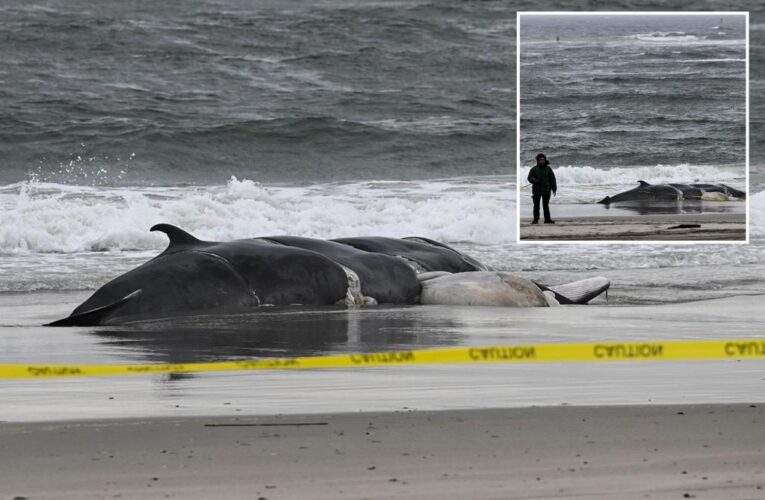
x=632 y=127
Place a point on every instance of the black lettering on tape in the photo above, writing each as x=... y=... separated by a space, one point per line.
x=737 y=349
x=157 y=368
x=275 y=364
x=502 y=353
x=628 y=351
x=383 y=358
x=53 y=371
x=139 y=368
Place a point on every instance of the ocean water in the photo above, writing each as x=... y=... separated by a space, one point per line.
x=236 y=119
x=627 y=91
x=277 y=91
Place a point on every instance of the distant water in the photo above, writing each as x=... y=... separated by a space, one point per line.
x=135 y=92
x=657 y=98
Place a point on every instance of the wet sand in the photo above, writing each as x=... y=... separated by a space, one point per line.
x=330 y=331
x=673 y=452
x=712 y=227
x=597 y=429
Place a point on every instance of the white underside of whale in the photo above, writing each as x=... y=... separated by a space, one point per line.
x=482 y=288
x=502 y=289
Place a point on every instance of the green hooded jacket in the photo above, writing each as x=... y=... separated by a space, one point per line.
x=542 y=179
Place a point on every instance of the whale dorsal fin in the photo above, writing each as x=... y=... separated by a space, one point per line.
x=177 y=235
x=643 y=183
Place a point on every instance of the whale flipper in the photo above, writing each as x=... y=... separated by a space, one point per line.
x=98 y=315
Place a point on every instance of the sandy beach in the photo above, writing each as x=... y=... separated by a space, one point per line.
x=671 y=227
x=677 y=451
x=575 y=430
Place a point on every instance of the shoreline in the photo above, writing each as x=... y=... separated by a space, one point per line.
x=654 y=451
x=659 y=227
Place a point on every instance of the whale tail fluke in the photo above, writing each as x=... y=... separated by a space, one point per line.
x=578 y=292
x=733 y=192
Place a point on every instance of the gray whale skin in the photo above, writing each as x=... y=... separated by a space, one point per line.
x=646 y=192
x=192 y=275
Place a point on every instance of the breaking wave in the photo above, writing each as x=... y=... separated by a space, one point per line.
x=667 y=37
x=573 y=175
x=56 y=218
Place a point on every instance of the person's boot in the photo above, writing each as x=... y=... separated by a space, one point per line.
x=550 y=221
x=535 y=222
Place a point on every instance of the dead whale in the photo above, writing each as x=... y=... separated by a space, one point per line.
x=673 y=192
x=192 y=275
x=195 y=275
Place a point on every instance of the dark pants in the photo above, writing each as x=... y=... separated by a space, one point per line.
x=545 y=205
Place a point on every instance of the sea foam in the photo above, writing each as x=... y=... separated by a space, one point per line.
x=52 y=218
x=656 y=174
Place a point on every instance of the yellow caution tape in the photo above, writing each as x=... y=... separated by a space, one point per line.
x=531 y=353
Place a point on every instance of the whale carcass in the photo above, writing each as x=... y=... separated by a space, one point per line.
x=192 y=275
x=646 y=192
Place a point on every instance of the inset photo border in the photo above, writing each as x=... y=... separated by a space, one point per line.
x=634 y=125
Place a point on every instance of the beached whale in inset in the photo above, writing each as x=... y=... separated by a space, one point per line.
x=192 y=275
x=646 y=192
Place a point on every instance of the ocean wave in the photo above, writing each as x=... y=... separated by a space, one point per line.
x=676 y=39
x=712 y=60
x=301 y=148
x=52 y=218
x=657 y=174
x=666 y=36
x=446 y=125
x=657 y=78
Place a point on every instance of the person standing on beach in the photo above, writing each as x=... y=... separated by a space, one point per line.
x=542 y=179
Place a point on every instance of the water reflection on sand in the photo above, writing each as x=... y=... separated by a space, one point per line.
x=329 y=330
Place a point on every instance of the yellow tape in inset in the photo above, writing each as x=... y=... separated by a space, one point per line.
x=531 y=353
